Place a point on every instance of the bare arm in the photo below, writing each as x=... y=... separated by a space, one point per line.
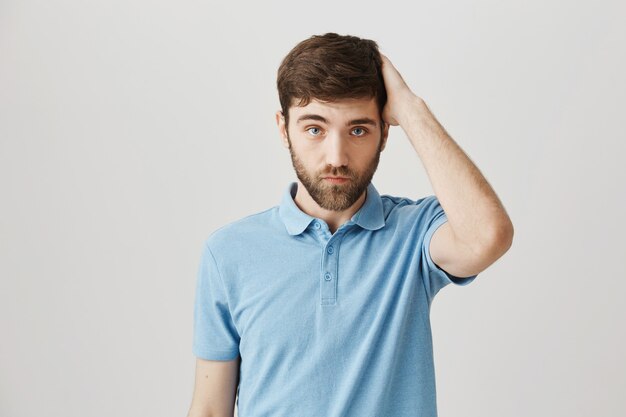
x=479 y=229
x=215 y=388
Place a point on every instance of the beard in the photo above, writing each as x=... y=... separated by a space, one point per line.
x=335 y=197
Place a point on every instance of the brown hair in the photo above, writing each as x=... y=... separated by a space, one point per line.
x=330 y=67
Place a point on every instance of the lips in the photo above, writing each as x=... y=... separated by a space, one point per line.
x=337 y=180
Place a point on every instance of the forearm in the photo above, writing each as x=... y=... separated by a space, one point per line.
x=476 y=215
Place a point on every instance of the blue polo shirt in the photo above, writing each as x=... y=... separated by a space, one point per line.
x=332 y=325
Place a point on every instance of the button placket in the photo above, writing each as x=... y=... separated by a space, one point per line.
x=328 y=279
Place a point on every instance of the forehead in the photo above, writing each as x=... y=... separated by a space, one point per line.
x=338 y=110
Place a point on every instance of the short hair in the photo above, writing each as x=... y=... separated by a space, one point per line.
x=330 y=67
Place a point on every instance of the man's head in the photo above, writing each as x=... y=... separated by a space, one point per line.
x=332 y=96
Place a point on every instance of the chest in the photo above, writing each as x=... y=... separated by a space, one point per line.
x=313 y=296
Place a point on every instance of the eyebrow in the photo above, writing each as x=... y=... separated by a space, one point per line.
x=361 y=121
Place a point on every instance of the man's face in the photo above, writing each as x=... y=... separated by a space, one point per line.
x=338 y=139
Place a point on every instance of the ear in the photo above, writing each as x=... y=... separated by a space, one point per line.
x=282 y=128
x=385 y=135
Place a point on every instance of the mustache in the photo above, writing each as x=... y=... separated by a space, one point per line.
x=338 y=173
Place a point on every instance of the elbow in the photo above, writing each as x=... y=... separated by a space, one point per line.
x=508 y=231
x=501 y=237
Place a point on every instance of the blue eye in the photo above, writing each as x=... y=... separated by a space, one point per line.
x=360 y=128
x=316 y=128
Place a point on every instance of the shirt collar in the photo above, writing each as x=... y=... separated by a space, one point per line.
x=370 y=216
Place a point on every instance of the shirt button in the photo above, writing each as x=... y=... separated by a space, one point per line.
x=316 y=225
x=327 y=276
x=330 y=249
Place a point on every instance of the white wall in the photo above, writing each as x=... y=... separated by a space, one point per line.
x=129 y=130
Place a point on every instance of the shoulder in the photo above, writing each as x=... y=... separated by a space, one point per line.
x=236 y=233
x=412 y=208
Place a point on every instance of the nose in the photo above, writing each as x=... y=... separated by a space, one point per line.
x=336 y=152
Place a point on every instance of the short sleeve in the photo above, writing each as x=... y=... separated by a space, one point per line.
x=435 y=278
x=215 y=336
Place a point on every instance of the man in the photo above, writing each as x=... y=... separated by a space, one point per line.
x=320 y=305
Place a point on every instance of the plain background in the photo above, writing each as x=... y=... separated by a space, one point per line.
x=130 y=130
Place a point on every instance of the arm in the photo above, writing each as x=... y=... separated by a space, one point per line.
x=215 y=388
x=478 y=230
